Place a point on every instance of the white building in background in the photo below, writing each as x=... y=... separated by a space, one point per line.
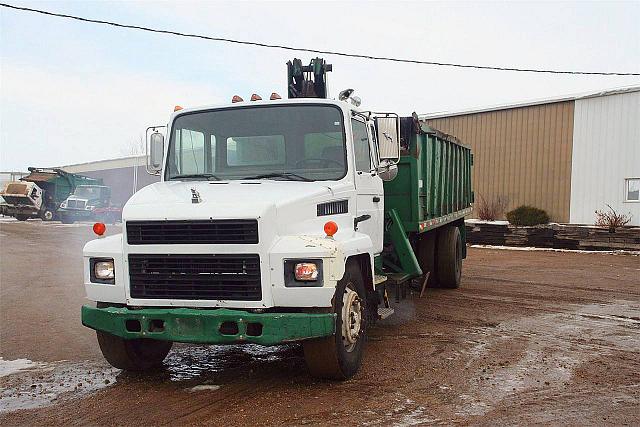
x=606 y=156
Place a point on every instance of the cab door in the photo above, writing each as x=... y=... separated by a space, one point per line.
x=369 y=190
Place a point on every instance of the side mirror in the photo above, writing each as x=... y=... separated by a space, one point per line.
x=387 y=170
x=388 y=129
x=156 y=153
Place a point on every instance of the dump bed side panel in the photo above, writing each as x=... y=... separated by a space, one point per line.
x=433 y=186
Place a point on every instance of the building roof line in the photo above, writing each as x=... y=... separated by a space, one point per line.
x=530 y=103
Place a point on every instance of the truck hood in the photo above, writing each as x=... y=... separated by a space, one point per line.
x=220 y=199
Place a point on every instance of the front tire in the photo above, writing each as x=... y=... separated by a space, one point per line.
x=133 y=355
x=47 y=215
x=449 y=257
x=22 y=217
x=339 y=356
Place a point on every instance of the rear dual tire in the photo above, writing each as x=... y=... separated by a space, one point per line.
x=440 y=252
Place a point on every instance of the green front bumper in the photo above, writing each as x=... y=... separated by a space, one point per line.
x=203 y=326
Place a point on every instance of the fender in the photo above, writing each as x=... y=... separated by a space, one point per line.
x=106 y=247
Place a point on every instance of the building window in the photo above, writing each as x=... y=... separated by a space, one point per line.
x=632 y=189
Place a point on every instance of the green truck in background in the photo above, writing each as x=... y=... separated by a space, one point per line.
x=40 y=194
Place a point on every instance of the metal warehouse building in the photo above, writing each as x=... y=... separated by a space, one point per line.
x=125 y=176
x=568 y=156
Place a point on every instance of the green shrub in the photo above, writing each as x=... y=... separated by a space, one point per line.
x=527 y=215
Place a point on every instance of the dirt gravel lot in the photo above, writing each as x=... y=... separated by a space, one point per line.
x=531 y=337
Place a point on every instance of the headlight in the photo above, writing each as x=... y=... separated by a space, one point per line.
x=102 y=270
x=306 y=271
x=303 y=273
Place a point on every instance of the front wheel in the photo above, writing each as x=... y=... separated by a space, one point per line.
x=47 y=215
x=339 y=356
x=133 y=355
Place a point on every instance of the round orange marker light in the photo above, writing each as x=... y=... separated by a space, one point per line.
x=177 y=108
x=99 y=228
x=330 y=228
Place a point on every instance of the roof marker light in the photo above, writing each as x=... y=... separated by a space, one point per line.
x=99 y=228
x=274 y=96
x=177 y=108
x=256 y=97
x=236 y=98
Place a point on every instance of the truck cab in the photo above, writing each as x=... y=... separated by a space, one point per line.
x=268 y=226
x=84 y=204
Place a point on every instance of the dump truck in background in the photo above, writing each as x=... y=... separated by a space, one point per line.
x=89 y=203
x=40 y=193
x=279 y=221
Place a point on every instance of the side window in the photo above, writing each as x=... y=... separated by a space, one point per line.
x=326 y=145
x=632 y=193
x=255 y=150
x=361 y=146
x=374 y=138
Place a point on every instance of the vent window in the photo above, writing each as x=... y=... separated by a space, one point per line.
x=333 y=208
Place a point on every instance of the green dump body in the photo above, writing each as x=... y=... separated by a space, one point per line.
x=58 y=184
x=433 y=186
x=432 y=189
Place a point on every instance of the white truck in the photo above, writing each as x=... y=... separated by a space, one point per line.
x=269 y=226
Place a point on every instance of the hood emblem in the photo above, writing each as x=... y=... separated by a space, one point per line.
x=195 y=196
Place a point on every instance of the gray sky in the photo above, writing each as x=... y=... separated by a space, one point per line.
x=73 y=92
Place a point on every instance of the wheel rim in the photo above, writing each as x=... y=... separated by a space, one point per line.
x=351 y=318
x=48 y=215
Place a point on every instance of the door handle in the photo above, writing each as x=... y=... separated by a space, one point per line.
x=359 y=219
x=376 y=199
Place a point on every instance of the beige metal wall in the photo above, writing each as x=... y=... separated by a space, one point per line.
x=523 y=154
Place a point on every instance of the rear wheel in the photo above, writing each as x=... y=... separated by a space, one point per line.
x=339 y=356
x=449 y=257
x=133 y=355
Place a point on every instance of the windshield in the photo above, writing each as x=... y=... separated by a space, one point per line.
x=292 y=142
x=85 y=192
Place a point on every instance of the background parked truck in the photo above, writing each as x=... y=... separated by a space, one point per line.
x=40 y=193
x=89 y=203
x=278 y=221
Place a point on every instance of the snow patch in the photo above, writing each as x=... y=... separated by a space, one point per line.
x=531 y=248
x=8 y=367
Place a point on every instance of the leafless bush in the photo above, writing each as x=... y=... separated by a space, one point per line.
x=492 y=209
x=612 y=219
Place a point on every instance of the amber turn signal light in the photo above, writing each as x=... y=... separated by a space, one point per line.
x=99 y=228
x=330 y=228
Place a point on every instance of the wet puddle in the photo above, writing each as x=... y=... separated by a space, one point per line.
x=25 y=384
x=553 y=346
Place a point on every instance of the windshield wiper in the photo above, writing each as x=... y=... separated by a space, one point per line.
x=288 y=175
x=208 y=176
